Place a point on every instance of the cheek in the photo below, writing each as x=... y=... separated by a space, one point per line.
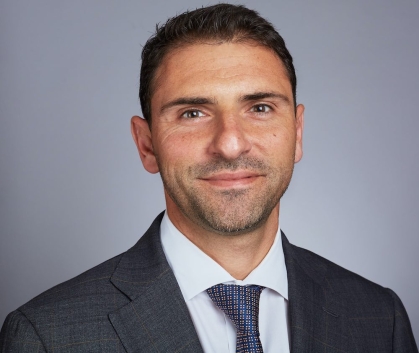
x=175 y=136
x=279 y=140
x=176 y=152
x=279 y=148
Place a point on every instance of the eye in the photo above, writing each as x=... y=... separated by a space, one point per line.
x=261 y=108
x=192 y=114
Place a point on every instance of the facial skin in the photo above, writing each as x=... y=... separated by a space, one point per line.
x=225 y=137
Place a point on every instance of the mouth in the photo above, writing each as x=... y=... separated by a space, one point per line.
x=232 y=179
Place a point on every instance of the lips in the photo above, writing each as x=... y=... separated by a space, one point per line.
x=232 y=179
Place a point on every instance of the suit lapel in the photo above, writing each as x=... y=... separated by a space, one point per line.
x=157 y=318
x=318 y=322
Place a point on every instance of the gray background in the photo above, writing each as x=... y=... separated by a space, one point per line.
x=73 y=191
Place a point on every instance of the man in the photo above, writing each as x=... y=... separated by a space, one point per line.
x=214 y=273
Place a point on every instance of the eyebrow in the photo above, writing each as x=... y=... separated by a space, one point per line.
x=263 y=95
x=187 y=101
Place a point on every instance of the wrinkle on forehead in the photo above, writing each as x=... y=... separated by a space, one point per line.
x=168 y=65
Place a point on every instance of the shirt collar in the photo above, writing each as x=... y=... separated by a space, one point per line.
x=195 y=271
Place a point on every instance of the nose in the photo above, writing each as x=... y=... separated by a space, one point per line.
x=230 y=139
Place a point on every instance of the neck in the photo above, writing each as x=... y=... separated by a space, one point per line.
x=237 y=254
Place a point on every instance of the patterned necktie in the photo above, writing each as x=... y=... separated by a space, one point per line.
x=241 y=305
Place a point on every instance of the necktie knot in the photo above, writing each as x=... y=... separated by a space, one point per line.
x=241 y=305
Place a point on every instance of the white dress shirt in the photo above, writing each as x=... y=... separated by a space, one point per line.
x=195 y=272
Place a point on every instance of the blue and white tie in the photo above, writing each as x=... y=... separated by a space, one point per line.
x=241 y=305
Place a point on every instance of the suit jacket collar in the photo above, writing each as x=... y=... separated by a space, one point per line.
x=157 y=318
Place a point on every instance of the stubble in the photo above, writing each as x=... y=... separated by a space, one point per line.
x=228 y=211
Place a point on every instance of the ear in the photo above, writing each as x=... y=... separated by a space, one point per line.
x=299 y=125
x=142 y=137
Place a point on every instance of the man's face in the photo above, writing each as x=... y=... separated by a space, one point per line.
x=225 y=135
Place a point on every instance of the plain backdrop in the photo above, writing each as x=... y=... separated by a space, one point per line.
x=73 y=190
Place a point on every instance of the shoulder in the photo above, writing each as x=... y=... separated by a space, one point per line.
x=341 y=281
x=91 y=283
x=66 y=314
x=373 y=312
x=358 y=293
x=79 y=305
x=19 y=335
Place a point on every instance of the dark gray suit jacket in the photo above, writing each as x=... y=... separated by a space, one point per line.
x=133 y=303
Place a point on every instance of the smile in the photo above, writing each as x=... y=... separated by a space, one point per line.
x=235 y=179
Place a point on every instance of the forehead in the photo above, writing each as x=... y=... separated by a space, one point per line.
x=225 y=66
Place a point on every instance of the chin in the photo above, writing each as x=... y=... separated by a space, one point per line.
x=233 y=223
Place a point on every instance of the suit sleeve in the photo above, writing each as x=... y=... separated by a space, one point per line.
x=18 y=335
x=403 y=339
